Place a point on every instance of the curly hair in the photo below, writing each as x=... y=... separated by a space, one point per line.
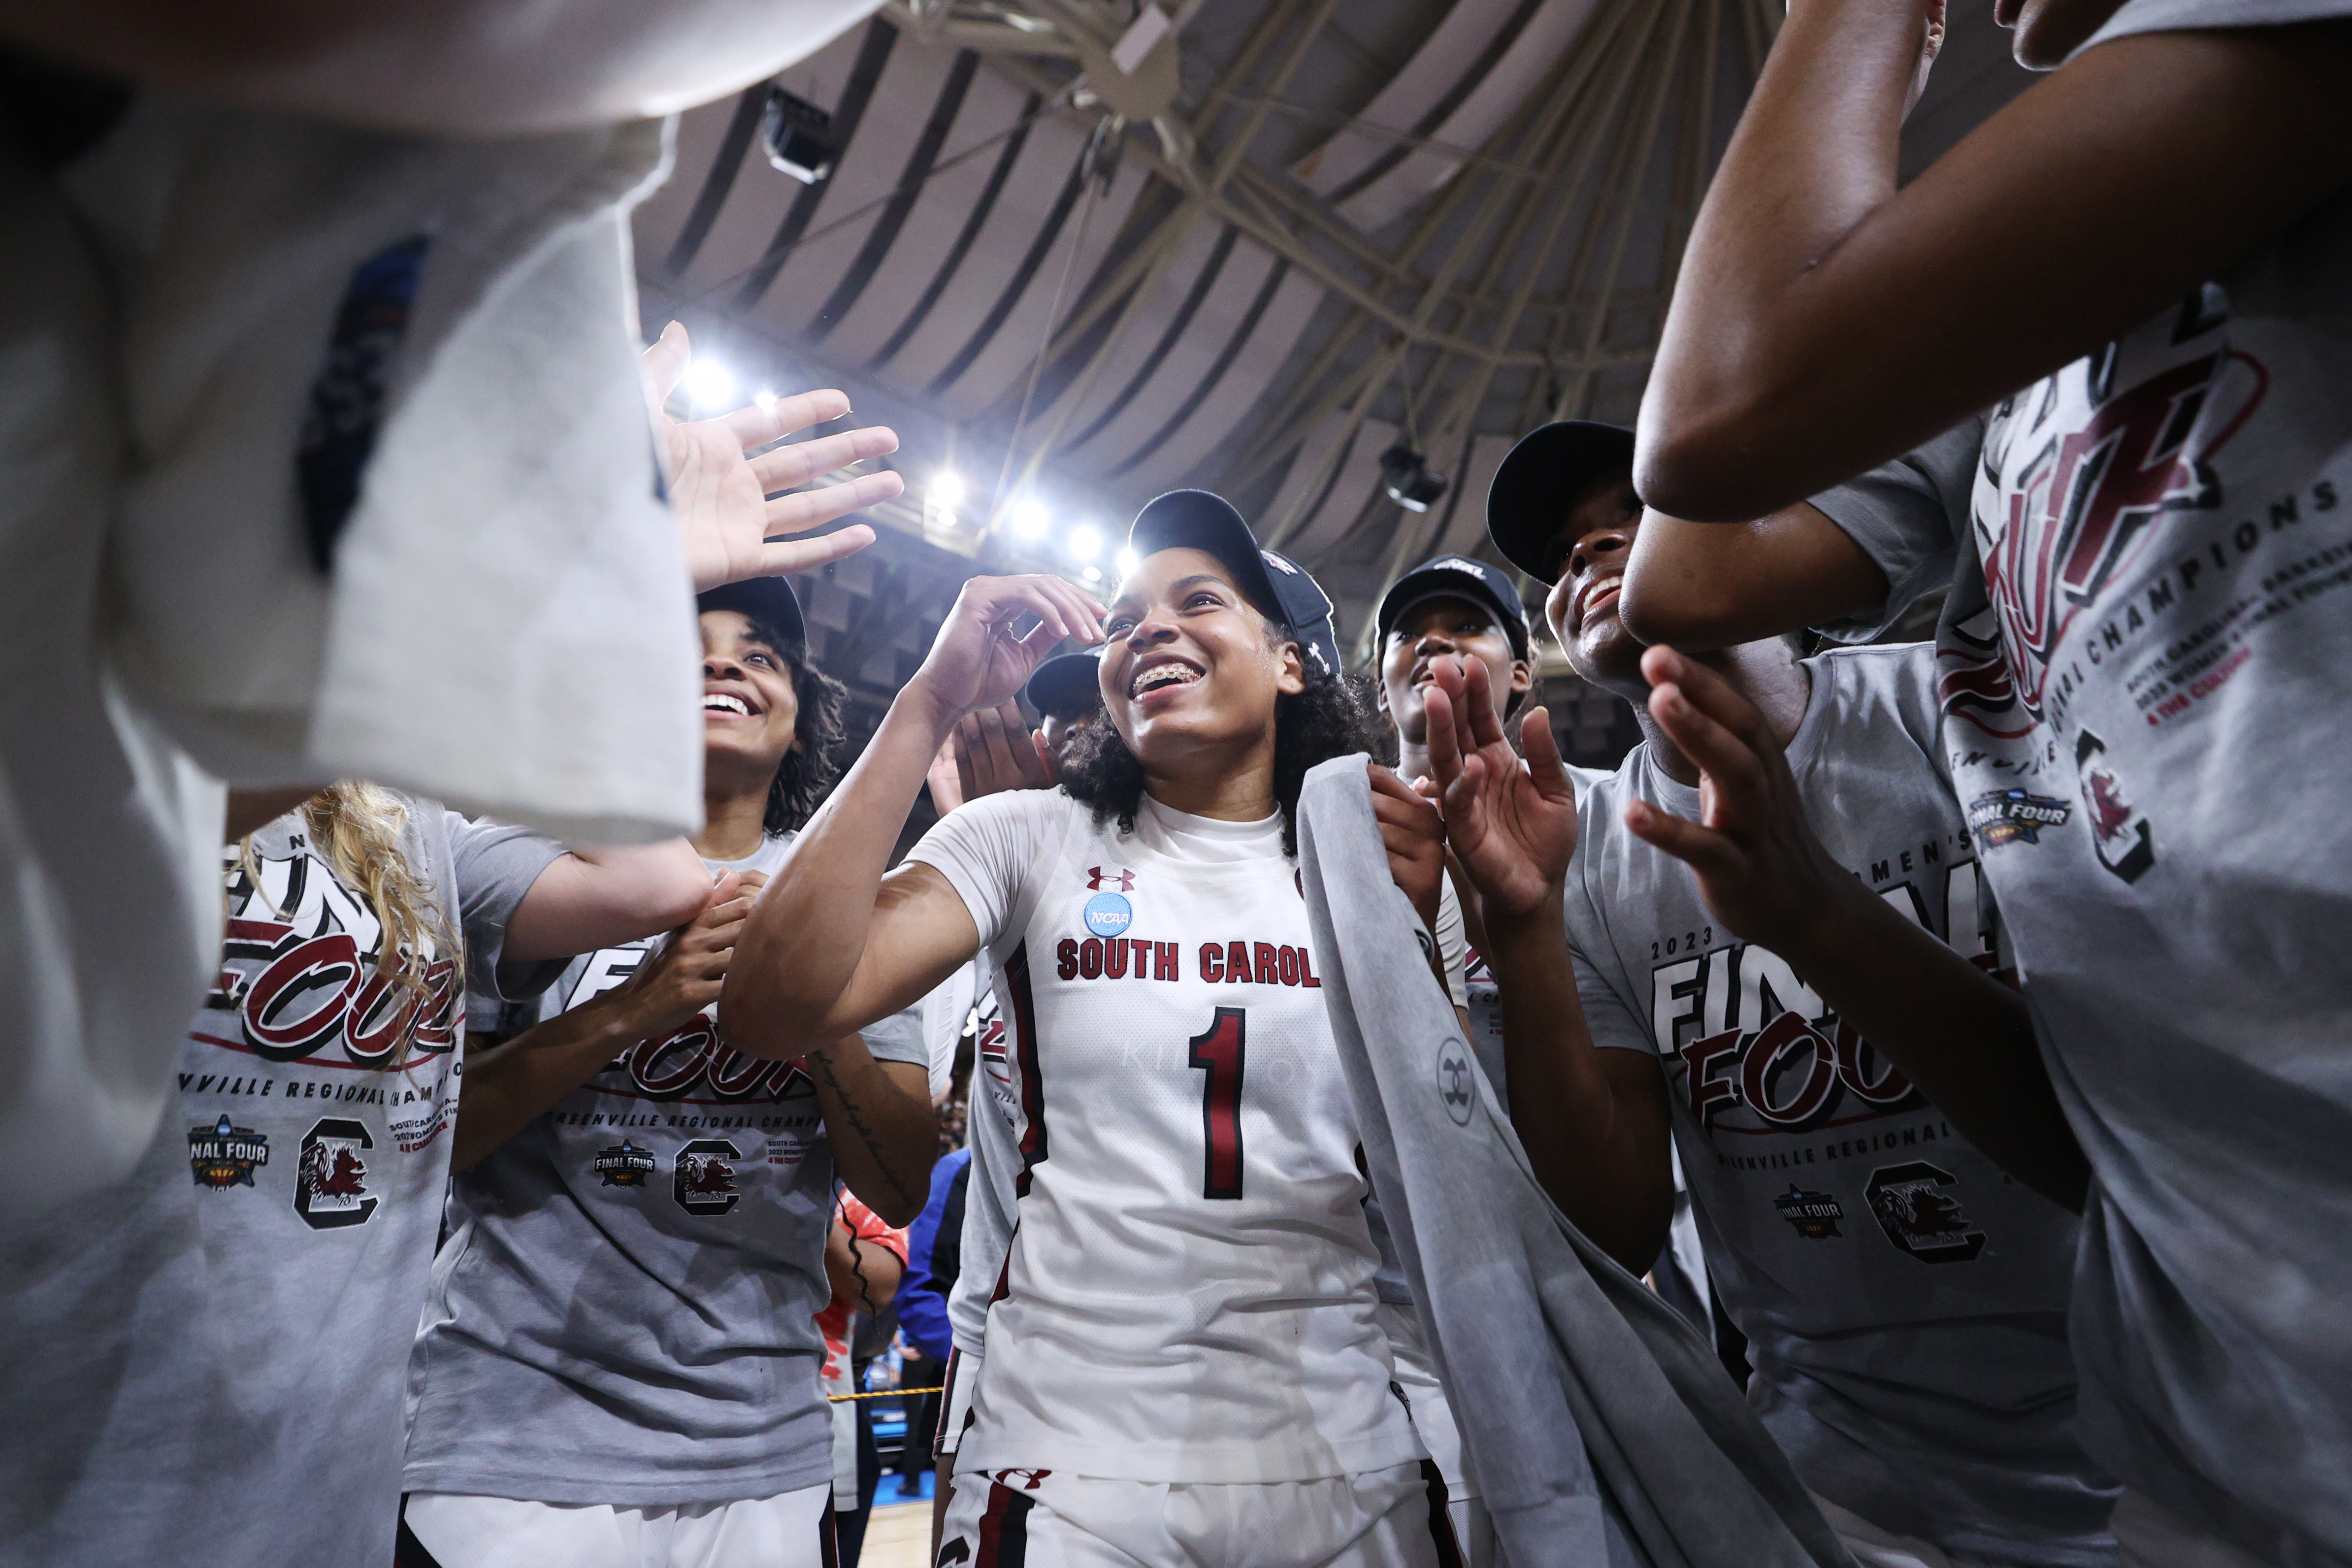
x=810 y=768
x=1326 y=719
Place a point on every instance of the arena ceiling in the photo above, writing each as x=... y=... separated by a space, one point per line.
x=1079 y=252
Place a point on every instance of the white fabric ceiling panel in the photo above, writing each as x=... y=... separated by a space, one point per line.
x=1199 y=346
x=1465 y=523
x=1468 y=30
x=1011 y=350
x=1331 y=509
x=1237 y=391
x=1124 y=357
x=1022 y=207
x=864 y=178
x=990 y=108
x=762 y=194
x=1521 y=70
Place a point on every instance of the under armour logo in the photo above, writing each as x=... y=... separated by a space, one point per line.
x=1096 y=877
x=1454 y=1089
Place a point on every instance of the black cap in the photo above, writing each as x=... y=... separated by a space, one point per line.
x=765 y=601
x=1067 y=685
x=1277 y=585
x=1458 y=578
x=1541 y=478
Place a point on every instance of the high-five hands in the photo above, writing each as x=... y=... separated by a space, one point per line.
x=1512 y=829
x=978 y=660
x=1764 y=873
x=717 y=491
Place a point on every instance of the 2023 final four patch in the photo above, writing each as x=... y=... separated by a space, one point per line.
x=2012 y=816
x=1813 y=1215
x=625 y=1164
x=223 y=1156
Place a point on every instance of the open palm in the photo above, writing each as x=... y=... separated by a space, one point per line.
x=719 y=492
x=1513 y=828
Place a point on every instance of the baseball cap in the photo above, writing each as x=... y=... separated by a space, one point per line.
x=1067 y=685
x=1277 y=585
x=766 y=602
x=1541 y=478
x=1458 y=578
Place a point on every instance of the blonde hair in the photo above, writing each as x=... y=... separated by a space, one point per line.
x=356 y=826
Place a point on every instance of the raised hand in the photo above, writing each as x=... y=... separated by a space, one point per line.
x=1414 y=838
x=1763 y=873
x=978 y=660
x=718 y=493
x=1513 y=829
x=995 y=751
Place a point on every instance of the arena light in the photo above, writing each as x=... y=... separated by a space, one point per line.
x=1030 y=518
x=947 y=489
x=1093 y=574
x=1128 y=560
x=709 y=384
x=1085 y=543
x=767 y=400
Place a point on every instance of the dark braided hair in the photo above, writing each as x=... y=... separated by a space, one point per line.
x=1328 y=719
x=810 y=768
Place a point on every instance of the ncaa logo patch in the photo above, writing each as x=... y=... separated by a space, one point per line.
x=1109 y=914
x=1457 y=1089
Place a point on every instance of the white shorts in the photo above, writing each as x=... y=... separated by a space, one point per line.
x=791 y=1530
x=1046 y=1519
x=2150 y=1537
x=1433 y=1423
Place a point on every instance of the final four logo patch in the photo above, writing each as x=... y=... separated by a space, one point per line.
x=223 y=1156
x=1813 y=1215
x=625 y=1164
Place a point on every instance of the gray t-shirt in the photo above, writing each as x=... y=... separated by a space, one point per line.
x=209 y=1352
x=1905 y=1301
x=2146 y=658
x=624 y=1312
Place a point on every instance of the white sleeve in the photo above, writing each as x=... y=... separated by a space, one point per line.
x=1450 y=941
x=2176 y=15
x=987 y=1219
x=945 y=1011
x=1907 y=515
x=983 y=849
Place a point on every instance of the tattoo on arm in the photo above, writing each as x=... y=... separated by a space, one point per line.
x=864 y=1128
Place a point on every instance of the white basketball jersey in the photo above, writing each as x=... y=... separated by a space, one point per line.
x=1189 y=1294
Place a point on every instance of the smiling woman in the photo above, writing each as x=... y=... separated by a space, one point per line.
x=1180 y=1096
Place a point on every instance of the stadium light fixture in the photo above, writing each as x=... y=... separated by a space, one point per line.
x=1030 y=518
x=709 y=384
x=1085 y=543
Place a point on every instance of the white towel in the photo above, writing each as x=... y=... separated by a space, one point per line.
x=109 y=840
x=507 y=625
x=1639 y=1453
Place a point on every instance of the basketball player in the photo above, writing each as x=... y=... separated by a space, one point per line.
x=1183 y=1362
x=1903 y=1299
x=2124 y=296
x=619 y=1363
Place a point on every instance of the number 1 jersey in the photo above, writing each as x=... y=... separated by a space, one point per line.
x=1188 y=1295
